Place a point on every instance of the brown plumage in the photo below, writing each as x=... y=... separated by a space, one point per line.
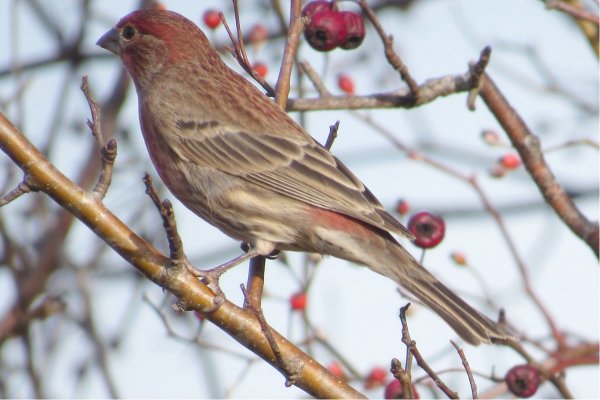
x=237 y=160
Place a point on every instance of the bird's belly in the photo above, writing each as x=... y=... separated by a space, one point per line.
x=238 y=208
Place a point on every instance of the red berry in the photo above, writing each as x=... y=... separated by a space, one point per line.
x=212 y=19
x=336 y=370
x=258 y=34
x=402 y=207
x=298 y=301
x=260 y=68
x=376 y=377
x=346 y=84
x=428 y=229
x=394 y=390
x=510 y=161
x=325 y=31
x=315 y=6
x=523 y=380
x=355 y=30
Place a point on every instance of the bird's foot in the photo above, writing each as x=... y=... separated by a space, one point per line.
x=211 y=277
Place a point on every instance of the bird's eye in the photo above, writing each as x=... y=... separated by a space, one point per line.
x=128 y=32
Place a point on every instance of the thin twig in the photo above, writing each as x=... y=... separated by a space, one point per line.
x=238 y=26
x=392 y=57
x=477 y=69
x=333 y=130
x=176 y=253
x=160 y=311
x=239 y=52
x=277 y=9
x=573 y=143
x=406 y=339
x=465 y=364
x=403 y=376
x=320 y=338
x=522 y=267
x=25 y=186
x=108 y=155
x=289 y=367
x=314 y=78
x=411 y=347
x=94 y=124
x=239 y=379
x=108 y=150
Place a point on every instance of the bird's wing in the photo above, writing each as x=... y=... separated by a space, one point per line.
x=294 y=166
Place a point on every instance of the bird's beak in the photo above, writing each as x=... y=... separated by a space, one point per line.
x=110 y=42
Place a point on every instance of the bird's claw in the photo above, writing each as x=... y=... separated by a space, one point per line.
x=211 y=279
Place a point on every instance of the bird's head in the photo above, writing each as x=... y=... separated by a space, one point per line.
x=148 y=40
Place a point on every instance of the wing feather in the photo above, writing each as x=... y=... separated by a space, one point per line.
x=297 y=167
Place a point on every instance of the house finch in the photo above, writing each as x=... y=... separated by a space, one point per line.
x=237 y=160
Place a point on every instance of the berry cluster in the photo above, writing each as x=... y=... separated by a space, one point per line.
x=330 y=28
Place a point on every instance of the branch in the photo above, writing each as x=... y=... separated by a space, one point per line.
x=574 y=11
x=237 y=322
x=256 y=282
x=529 y=148
x=430 y=90
x=289 y=54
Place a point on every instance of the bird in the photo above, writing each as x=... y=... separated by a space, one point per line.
x=237 y=160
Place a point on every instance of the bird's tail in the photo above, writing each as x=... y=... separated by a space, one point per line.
x=366 y=244
x=470 y=324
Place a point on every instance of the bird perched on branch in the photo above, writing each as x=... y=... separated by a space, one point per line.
x=238 y=161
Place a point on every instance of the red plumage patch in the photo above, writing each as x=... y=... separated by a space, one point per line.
x=341 y=222
x=171 y=28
